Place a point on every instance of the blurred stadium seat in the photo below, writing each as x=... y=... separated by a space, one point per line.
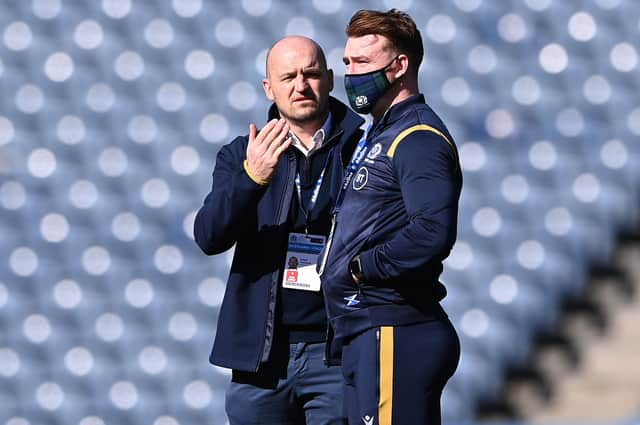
x=110 y=118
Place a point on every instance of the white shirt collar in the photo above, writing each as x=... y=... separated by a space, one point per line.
x=318 y=140
x=318 y=137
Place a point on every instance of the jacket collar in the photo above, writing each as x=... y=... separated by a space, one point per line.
x=346 y=124
x=398 y=110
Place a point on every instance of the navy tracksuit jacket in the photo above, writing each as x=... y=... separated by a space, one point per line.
x=400 y=215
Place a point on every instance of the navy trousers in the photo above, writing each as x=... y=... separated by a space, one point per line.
x=294 y=388
x=394 y=375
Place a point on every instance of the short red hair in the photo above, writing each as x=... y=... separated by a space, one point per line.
x=396 y=26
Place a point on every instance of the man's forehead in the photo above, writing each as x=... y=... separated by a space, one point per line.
x=372 y=40
x=295 y=62
x=370 y=43
x=290 y=59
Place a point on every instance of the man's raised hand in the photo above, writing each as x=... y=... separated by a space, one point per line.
x=265 y=148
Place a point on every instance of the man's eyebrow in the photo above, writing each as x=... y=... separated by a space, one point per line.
x=310 y=68
x=287 y=74
x=355 y=58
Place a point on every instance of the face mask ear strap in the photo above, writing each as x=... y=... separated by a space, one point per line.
x=391 y=63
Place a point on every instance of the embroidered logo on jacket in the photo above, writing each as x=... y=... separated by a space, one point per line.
x=375 y=151
x=351 y=301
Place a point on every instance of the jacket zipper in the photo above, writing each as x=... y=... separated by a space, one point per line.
x=274 y=282
x=323 y=261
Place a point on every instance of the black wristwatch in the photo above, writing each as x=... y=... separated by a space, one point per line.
x=355 y=267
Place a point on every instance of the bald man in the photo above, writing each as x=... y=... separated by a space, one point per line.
x=272 y=196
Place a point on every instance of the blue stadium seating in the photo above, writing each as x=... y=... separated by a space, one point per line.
x=549 y=156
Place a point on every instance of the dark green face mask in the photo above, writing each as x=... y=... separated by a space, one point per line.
x=364 y=90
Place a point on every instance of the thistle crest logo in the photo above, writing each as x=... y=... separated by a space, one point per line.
x=361 y=101
x=375 y=151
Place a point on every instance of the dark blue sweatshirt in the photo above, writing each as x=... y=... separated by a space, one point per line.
x=400 y=216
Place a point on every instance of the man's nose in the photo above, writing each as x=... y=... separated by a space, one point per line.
x=301 y=82
x=349 y=69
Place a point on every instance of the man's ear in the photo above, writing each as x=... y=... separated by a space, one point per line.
x=403 y=68
x=330 y=77
x=266 y=86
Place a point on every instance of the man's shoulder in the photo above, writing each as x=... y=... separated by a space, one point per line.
x=237 y=142
x=420 y=116
x=426 y=115
x=234 y=150
x=419 y=123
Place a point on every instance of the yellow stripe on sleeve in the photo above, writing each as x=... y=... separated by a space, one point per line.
x=385 y=404
x=408 y=131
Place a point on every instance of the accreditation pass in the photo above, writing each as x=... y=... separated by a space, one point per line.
x=303 y=251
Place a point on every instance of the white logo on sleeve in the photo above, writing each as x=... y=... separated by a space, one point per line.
x=368 y=420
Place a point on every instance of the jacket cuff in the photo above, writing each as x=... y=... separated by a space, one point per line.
x=369 y=268
x=252 y=176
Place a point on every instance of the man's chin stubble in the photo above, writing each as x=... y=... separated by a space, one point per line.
x=305 y=117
